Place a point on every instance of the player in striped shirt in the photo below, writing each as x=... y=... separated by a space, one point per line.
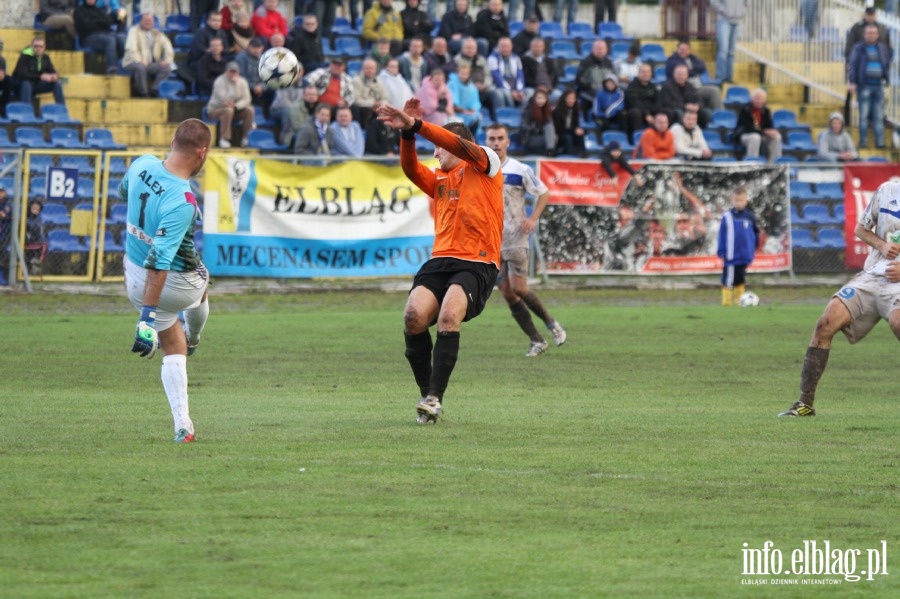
x=163 y=271
x=519 y=179
x=454 y=285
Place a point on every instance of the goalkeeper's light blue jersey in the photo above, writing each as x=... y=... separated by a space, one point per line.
x=162 y=211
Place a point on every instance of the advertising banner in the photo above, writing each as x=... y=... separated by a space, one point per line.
x=860 y=182
x=265 y=218
x=664 y=221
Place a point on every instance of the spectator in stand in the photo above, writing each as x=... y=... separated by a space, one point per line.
x=611 y=154
x=383 y=22
x=229 y=13
x=288 y=105
x=678 y=95
x=641 y=101
x=210 y=67
x=457 y=25
x=729 y=14
x=334 y=86
x=198 y=9
x=380 y=53
x=35 y=245
x=627 y=68
x=657 y=142
x=856 y=33
x=537 y=133
x=381 y=140
x=6 y=85
x=325 y=11
x=508 y=76
x=835 y=144
x=491 y=24
x=200 y=44
x=567 y=124
x=6 y=228
x=397 y=88
x=306 y=43
x=530 y=9
x=94 y=25
x=248 y=62
x=367 y=91
x=539 y=70
x=231 y=101
x=148 y=53
x=267 y=19
x=592 y=71
x=241 y=33
x=481 y=75
x=57 y=15
x=605 y=11
x=276 y=40
x=412 y=64
x=466 y=101
x=710 y=96
x=609 y=104
x=316 y=138
x=435 y=99
x=690 y=144
x=347 y=134
x=36 y=74
x=416 y=23
x=439 y=58
x=754 y=126
x=868 y=71
x=522 y=40
x=355 y=13
x=560 y=9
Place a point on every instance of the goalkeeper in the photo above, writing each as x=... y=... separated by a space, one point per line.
x=163 y=271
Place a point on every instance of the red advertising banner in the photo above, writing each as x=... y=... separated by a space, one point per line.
x=664 y=222
x=583 y=183
x=860 y=182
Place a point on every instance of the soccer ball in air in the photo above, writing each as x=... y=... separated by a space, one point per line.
x=278 y=67
x=748 y=298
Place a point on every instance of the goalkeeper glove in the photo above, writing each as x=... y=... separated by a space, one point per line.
x=145 y=338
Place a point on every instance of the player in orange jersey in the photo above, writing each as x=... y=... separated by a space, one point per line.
x=455 y=284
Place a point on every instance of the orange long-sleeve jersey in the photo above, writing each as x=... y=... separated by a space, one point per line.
x=655 y=145
x=468 y=221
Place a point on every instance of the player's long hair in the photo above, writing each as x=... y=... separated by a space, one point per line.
x=192 y=134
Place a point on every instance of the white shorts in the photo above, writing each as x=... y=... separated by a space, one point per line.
x=513 y=262
x=869 y=298
x=182 y=291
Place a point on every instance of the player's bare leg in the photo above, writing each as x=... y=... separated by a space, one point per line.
x=835 y=317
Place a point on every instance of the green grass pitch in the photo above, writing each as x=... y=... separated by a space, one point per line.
x=634 y=461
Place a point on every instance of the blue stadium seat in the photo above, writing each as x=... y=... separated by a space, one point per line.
x=619 y=50
x=5 y=142
x=31 y=137
x=423 y=146
x=611 y=30
x=829 y=191
x=354 y=67
x=877 y=159
x=57 y=113
x=581 y=31
x=259 y=117
x=619 y=136
x=117 y=165
x=831 y=238
x=796 y=218
x=568 y=75
x=110 y=244
x=112 y=190
x=60 y=240
x=801 y=190
x=653 y=53
x=509 y=116
x=118 y=215
x=552 y=30
x=800 y=141
x=584 y=48
x=839 y=215
x=816 y=214
x=264 y=139
x=82 y=163
x=564 y=49
x=21 y=112
x=37 y=188
x=715 y=143
x=348 y=46
x=38 y=163
x=178 y=23
x=172 y=89
x=659 y=75
x=736 y=96
x=101 y=138
x=515 y=27
x=802 y=239
x=591 y=145
x=85 y=188
x=63 y=137
x=183 y=42
x=55 y=214
x=787 y=119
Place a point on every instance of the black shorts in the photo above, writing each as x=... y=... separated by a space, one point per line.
x=476 y=278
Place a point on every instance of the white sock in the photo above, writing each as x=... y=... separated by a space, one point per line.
x=175 y=382
x=195 y=320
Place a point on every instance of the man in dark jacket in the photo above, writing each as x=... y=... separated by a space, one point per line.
x=456 y=25
x=592 y=70
x=6 y=87
x=868 y=71
x=539 y=69
x=856 y=33
x=491 y=24
x=416 y=23
x=641 y=101
x=755 y=127
x=678 y=95
x=200 y=45
x=210 y=66
x=35 y=73
x=306 y=42
x=522 y=40
x=93 y=25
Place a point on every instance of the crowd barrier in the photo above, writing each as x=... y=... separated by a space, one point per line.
x=302 y=217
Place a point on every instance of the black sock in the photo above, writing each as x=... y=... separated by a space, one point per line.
x=537 y=306
x=813 y=367
x=418 y=353
x=523 y=317
x=446 y=349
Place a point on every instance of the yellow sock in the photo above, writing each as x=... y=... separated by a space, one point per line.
x=739 y=291
x=727 y=296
